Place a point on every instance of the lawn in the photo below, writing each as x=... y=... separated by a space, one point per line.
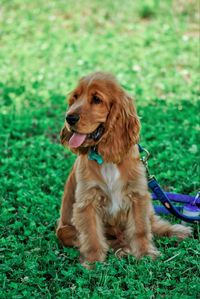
x=45 y=47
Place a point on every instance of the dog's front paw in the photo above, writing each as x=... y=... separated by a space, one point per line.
x=153 y=252
x=86 y=264
x=88 y=259
x=149 y=250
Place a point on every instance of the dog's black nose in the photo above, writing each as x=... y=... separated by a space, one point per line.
x=72 y=119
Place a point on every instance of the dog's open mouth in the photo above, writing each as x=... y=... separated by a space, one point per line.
x=78 y=139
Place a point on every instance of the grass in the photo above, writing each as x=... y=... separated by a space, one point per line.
x=152 y=47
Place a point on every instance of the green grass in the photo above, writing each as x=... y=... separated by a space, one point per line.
x=152 y=47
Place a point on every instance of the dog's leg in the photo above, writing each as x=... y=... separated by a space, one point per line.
x=138 y=231
x=67 y=235
x=88 y=222
x=65 y=231
x=162 y=227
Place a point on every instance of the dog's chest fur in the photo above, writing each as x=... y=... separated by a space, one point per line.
x=114 y=185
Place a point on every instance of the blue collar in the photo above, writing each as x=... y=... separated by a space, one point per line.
x=93 y=155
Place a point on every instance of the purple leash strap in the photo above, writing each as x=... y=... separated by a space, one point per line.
x=182 y=198
x=162 y=210
x=165 y=198
x=161 y=195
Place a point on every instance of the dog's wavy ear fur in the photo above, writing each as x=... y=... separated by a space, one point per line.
x=121 y=129
x=64 y=136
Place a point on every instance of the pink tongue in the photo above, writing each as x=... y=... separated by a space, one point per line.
x=77 y=139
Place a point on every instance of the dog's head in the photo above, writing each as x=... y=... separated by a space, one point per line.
x=100 y=114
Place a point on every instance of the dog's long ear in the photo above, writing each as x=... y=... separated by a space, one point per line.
x=65 y=136
x=121 y=130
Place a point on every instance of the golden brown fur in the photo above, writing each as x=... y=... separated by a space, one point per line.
x=109 y=204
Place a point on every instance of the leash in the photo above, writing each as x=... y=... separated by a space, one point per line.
x=191 y=211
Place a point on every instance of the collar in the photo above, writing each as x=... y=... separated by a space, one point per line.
x=93 y=155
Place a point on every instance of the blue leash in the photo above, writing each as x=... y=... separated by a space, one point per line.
x=162 y=196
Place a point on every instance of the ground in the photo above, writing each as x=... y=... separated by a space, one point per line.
x=152 y=47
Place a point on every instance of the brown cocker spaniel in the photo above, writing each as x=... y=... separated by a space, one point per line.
x=106 y=200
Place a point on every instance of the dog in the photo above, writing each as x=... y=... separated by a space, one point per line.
x=106 y=202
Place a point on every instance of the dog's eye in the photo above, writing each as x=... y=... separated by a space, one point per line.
x=96 y=100
x=72 y=99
